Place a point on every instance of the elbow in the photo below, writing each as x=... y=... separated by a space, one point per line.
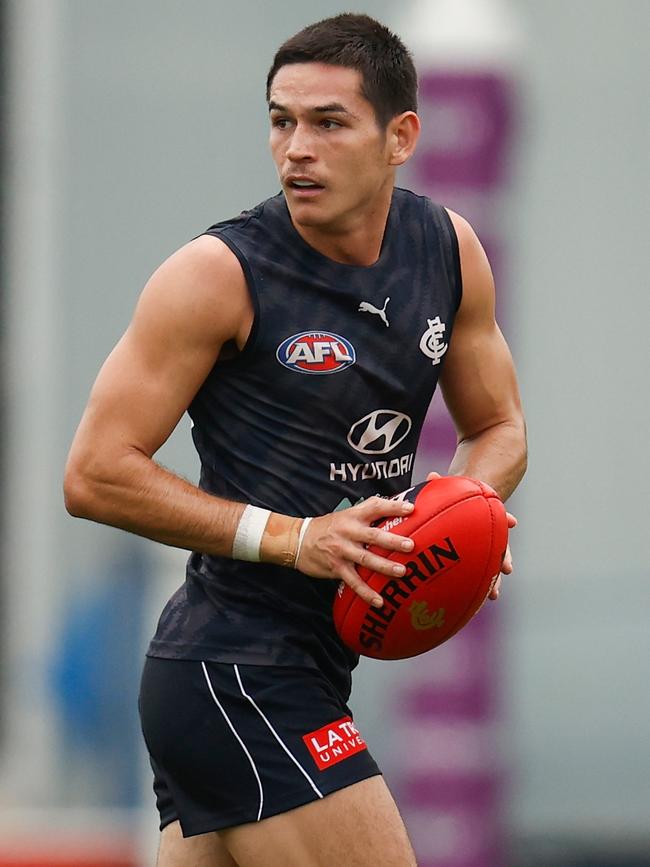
x=94 y=485
x=523 y=464
x=520 y=447
x=513 y=448
x=77 y=494
x=524 y=444
x=84 y=486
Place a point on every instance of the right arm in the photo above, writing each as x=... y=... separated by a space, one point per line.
x=194 y=303
x=182 y=319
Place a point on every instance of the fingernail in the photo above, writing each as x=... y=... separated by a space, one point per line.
x=409 y=506
x=378 y=602
x=407 y=544
x=398 y=569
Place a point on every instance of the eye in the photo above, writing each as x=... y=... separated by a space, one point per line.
x=328 y=123
x=280 y=122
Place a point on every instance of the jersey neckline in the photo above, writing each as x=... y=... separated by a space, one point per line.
x=315 y=254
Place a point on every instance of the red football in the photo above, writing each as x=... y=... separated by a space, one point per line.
x=460 y=531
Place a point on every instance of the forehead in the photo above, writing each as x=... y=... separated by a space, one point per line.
x=305 y=85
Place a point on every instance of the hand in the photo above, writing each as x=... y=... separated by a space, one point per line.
x=506 y=566
x=335 y=543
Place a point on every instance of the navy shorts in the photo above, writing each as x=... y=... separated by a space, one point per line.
x=231 y=744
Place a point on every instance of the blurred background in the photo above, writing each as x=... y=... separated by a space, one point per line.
x=129 y=127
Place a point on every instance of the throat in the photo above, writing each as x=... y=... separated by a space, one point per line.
x=344 y=249
x=358 y=244
x=350 y=237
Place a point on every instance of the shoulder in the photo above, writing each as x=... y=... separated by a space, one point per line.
x=207 y=255
x=203 y=270
x=418 y=202
x=200 y=288
x=476 y=274
x=439 y=224
x=250 y=220
x=414 y=202
x=468 y=242
x=421 y=217
x=469 y=247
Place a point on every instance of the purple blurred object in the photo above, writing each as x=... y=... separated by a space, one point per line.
x=452 y=778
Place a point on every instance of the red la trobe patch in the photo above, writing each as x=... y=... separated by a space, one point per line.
x=334 y=742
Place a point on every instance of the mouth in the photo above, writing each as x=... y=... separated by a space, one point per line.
x=303 y=187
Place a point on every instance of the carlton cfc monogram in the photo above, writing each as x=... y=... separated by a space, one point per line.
x=431 y=342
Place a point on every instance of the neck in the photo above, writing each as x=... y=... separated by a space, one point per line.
x=356 y=240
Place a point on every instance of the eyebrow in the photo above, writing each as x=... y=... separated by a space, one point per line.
x=330 y=108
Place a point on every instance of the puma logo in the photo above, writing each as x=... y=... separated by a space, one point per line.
x=367 y=307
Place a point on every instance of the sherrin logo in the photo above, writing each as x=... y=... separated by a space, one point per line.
x=316 y=352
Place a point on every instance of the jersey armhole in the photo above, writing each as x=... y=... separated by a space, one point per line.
x=251 y=340
x=455 y=255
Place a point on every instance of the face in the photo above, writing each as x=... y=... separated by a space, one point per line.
x=333 y=160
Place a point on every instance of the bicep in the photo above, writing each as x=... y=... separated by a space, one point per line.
x=478 y=381
x=140 y=395
x=192 y=305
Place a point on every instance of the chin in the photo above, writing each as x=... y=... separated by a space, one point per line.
x=309 y=215
x=310 y=221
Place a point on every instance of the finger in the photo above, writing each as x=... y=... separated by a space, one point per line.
x=351 y=577
x=375 y=563
x=387 y=541
x=512 y=521
x=506 y=566
x=378 y=507
x=431 y=476
x=494 y=592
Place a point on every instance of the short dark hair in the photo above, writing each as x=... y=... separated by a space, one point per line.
x=389 y=80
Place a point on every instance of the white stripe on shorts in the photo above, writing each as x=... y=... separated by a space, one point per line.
x=241 y=743
x=277 y=736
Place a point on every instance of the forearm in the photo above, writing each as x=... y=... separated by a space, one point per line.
x=136 y=494
x=497 y=456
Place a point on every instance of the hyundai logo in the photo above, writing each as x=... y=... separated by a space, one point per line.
x=379 y=432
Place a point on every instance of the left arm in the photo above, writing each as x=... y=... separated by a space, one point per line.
x=479 y=383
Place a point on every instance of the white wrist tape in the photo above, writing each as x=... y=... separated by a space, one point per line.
x=248 y=538
x=301 y=536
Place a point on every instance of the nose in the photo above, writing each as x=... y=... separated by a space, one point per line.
x=300 y=148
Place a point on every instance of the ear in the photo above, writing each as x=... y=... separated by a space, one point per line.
x=402 y=136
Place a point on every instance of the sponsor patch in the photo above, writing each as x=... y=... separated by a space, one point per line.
x=334 y=742
x=379 y=432
x=316 y=352
x=389 y=469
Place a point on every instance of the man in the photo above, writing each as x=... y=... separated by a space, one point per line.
x=305 y=339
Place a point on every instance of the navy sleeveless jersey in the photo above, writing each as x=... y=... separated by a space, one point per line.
x=323 y=407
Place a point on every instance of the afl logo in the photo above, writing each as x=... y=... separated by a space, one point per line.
x=379 y=432
x=316 y=352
